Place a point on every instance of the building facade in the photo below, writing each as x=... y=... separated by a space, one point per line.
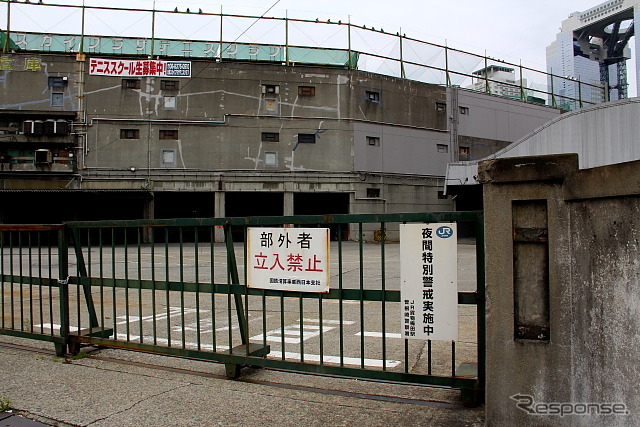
x=87 y=137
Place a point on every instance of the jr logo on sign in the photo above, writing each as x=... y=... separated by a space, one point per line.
x=444 y=232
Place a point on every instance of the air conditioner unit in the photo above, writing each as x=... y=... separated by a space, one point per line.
x=43 y=157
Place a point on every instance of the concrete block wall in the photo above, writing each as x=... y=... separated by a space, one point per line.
x=562 y=276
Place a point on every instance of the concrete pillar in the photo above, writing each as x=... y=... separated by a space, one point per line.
x=288 y=203
x=219 y=212
x=148 y=213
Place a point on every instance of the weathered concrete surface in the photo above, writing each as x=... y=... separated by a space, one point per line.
x=594 y=271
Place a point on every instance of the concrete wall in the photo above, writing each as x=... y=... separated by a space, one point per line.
x=562 y=291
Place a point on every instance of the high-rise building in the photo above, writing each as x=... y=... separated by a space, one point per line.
x=592 y=48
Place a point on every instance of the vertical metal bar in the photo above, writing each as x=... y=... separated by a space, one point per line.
x=140 y=322
x=486 y=73
x=153 y=30
x=29 y=243
x=114 y=295
x=196 y=262
x=40 y=278
x=63 y=283
x=384 y=295
x=320 y=315
x=213 y=288
x=446 y=63
x=361 y=279
x=20 y=280
x=101 y=271
x=429 y=357
x=221 y=46
x=340 y=301
x=246 y=296
x=166 y=276
x=152 y=263
x=286 y=37
x=2 y=303
x=480 y=291
x=301 y=301
x=11 y=271
x=81 y=49
x=402 y=73
x=182 y=306
x=5 y=48
x=264 y=318
x=349 y=60
x=453 y=358
x=282 y=341
x=126 y=283
x=50 y=276
x=406 y=356
x=522 y=94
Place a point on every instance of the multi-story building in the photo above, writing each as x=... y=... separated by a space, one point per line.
x=111 y=134
x=592 y=49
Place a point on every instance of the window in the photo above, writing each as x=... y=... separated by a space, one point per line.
x=441 y=106
x=270 y=137
x=270 y=158
x=271 y=89
x=169 y=103
x=168 y=158
x=373 y=192
x=373 y=141
x=464 y=110
x=57 y=99
x=464 y=151
x=169 y=85
x=307 y=90
x=373 y=96
x=169 y=134
x=57 y=82
x=306 y=138
x=441 y=195
x=442 y=148
x=130 y=83
x=129 y=134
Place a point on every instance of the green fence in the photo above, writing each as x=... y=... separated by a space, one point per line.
x=176 y=287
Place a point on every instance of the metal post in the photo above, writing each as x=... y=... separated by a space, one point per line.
x=8 y=35
x=81 y=48
x=63 y=289
x=446 y=64
x=487 y=88
x=522 y=94
x=221 y=47
x=553 y=95
x=402 y=73
x=286 y=37
x=153 y=28
x=580 y=92
x=350 y=64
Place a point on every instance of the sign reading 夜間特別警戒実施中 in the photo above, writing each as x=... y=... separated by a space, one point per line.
x=429 y=284
x=288 y=259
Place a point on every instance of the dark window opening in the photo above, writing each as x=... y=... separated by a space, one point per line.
x=57 y=82
x=441 y=106
x=169 y=134
x=129 y=134
x=271 y=89
x=373 y=96
x=373 y=192
x=131 y=83
x=373 y=141
x=270 y=137
x=442 y=148
x=306 y=90
x=464 y=110
x=306 y=138
x=169 y=85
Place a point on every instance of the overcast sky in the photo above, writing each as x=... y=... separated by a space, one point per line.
x=511 y=30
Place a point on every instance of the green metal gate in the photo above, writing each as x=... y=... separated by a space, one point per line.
x=174 y=287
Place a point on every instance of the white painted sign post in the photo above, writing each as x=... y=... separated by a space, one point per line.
x=288 y=259
x=429 y=284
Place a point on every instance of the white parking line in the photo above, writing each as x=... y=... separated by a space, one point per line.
x=379 y=334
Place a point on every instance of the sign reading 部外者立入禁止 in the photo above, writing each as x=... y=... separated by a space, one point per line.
x=288 y=259
x=139 y=68
x=429 y=284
